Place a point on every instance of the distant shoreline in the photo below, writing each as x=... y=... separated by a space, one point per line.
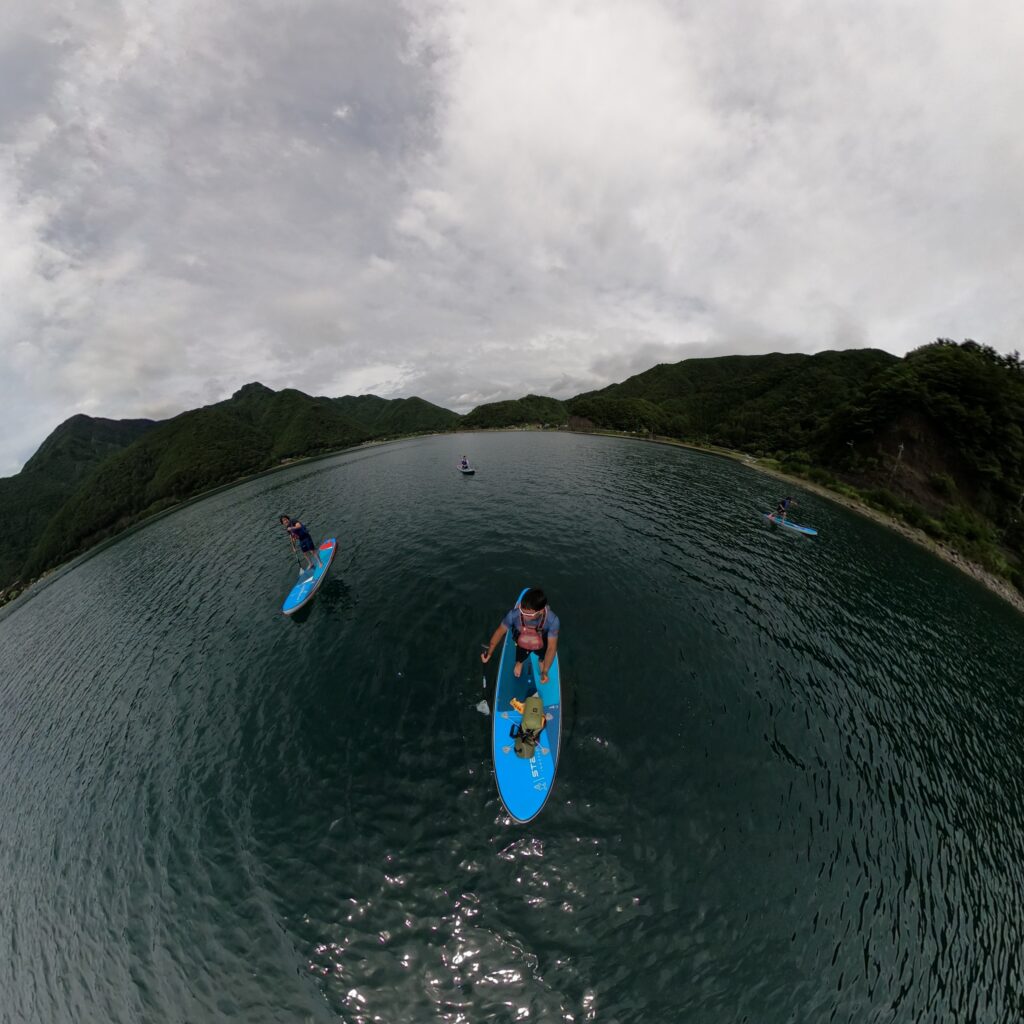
x=1002 y=588
x=8 y=599
x=996 y=584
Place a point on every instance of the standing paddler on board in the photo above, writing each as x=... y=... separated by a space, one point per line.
x=785 y=504
x=534 y=629
x=299 y=534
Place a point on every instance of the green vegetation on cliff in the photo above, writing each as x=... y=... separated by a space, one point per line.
x=394 y=416
x=253 y=430
x=92 y=478
x=533 y=409
x=29 y=500
x=751 y=402
x=935 y=438
x=938 y=438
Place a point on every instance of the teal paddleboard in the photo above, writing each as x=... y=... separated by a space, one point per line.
x=786 y=524
x=309 y=581
x=524 y=785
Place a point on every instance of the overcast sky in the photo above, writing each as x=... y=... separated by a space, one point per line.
x=470 y=201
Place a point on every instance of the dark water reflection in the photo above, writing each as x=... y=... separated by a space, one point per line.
x=791 y=788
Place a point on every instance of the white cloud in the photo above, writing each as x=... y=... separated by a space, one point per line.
x=471 y=201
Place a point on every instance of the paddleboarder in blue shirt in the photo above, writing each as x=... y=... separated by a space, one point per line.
x=784 y=506
x=534 y=629
x=298 y=534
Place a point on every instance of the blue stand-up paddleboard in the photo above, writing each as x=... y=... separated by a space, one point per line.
x=524 y=784
x=309 y=581
x=774 y=520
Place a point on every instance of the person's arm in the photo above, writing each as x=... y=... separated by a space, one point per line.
x=495 y=640
x=549 y=657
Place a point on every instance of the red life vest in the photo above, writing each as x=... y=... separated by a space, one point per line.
x=531 y=638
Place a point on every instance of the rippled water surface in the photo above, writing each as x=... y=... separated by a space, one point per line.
x=790 y=789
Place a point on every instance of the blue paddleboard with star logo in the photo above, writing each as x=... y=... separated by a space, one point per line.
x=524 y=784
x=309 y=581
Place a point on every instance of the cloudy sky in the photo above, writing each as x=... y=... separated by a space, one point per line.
x=472 y=200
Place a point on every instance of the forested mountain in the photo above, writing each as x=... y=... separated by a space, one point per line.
x=253 y=430
x=397 y=415
x=91 y=478
x=82 y=442
x=32 y=497
x=939 y=439
x=765 y=402
x=936 y=438
x=517 y=412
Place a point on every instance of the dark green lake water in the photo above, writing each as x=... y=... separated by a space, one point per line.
x=790 y=787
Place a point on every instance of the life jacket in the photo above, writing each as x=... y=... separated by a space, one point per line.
x=531 y=638
x=527 y=733
x=300 y=532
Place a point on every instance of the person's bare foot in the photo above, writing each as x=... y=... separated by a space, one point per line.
x=518 y=670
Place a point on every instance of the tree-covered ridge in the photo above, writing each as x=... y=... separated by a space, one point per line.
x=940 y=438
x=968 y=396
x=397 y=415
x=753 y=402
x=937 y=438
x=533 y=409
x=92 y=478
x=191 y=453
x=81 y=442
x=32 y=497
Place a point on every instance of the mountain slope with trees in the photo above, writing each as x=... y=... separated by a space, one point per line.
x=32 y=497
x=386 y=416
x=92 y=478
x=935 y=438
x=753 y=402
x=938 y=439
x=533 y=409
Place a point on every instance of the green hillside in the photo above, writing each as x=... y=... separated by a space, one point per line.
x=397 y=416
x=253 y=430
x=760 y=403
x=82 y=442
x=936 y=438
x=840 y=419
x=533 y=409
x=32 y=497
x=91 y=478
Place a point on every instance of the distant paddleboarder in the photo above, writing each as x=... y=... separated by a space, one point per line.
x=299 y=534
x=783 y=509
x=534 y=629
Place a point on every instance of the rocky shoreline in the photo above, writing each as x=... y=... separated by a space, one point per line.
x=1003 y=588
